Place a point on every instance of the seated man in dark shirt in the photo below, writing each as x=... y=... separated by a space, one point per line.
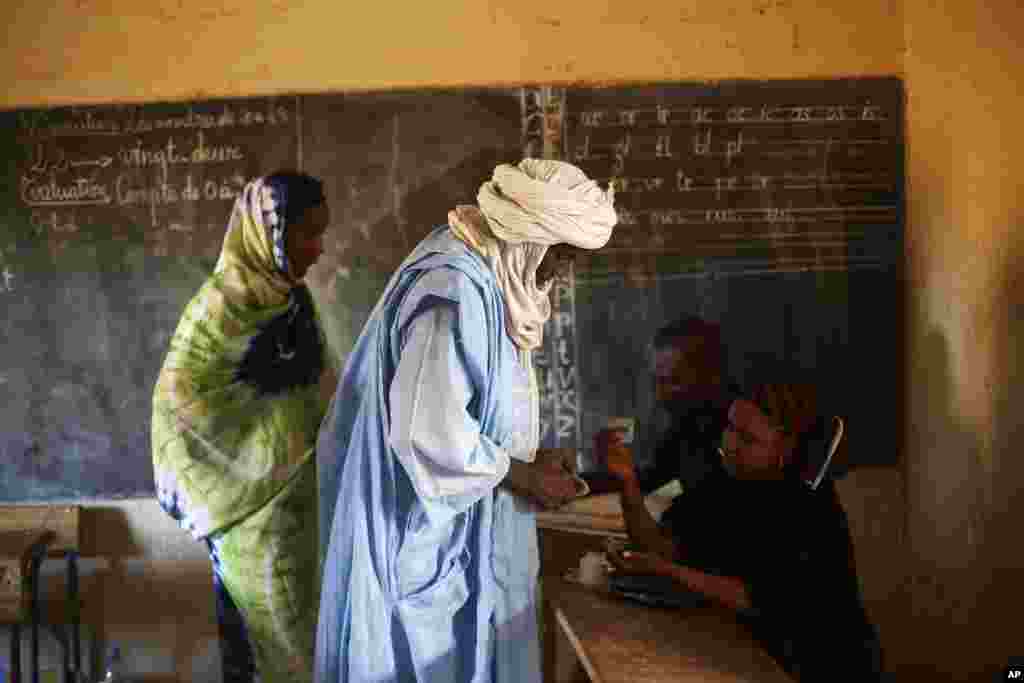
x=689 y=385
x=769 y=540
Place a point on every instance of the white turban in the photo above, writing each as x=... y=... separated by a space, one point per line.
x=522 y=211
x=547 y=202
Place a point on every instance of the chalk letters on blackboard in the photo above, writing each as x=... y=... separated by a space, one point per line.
x=77 y=192
x=663 y=147
x=702 y=143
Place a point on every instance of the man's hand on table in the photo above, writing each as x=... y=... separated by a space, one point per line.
x=549 y=480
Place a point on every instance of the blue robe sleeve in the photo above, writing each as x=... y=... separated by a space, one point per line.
x=435 y=438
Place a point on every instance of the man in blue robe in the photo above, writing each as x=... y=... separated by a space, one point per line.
x=429 y=463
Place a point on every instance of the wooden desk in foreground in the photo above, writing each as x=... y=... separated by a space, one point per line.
x=588 y=635
x=616 y=640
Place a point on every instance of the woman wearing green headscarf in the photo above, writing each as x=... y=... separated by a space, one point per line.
x=236 y=410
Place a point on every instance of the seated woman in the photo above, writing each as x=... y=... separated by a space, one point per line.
x=770 y=541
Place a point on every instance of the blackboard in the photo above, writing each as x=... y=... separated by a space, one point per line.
x=774 y=209
x=395 y=165
x=110 y=218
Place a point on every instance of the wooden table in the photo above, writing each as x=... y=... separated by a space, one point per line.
x=589 y=636
x=582 y=526
x=605 y=639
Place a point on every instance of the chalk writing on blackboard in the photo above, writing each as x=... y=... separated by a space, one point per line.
x=161 y=168
x=119 y=121
x=555 y=363
x=543 y=114
x=704 y=143
x=764 y=114
x=543 y=123
x=756 y=182
x=71 y=192
x=774 y=177
x=532 y=102
x=542 y=368
x=567 y=402
x=42 y=188
x=805 y=214
x=554 y=121
x=171 y=152
x=149 y=166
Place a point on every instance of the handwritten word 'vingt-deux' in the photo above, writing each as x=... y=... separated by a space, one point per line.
x=170 y=154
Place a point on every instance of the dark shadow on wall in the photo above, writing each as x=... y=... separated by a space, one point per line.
x=942 y=475
x=1000 y=558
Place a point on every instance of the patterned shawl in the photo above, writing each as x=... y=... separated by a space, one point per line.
x=238 y=403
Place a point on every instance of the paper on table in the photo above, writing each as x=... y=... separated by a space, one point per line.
x=608 y=505
x=659 y=501
x=582 y=487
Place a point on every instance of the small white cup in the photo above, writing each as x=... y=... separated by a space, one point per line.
x=592 y=572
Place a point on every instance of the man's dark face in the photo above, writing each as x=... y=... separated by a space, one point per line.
x=686 y=377
x=556 y=262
